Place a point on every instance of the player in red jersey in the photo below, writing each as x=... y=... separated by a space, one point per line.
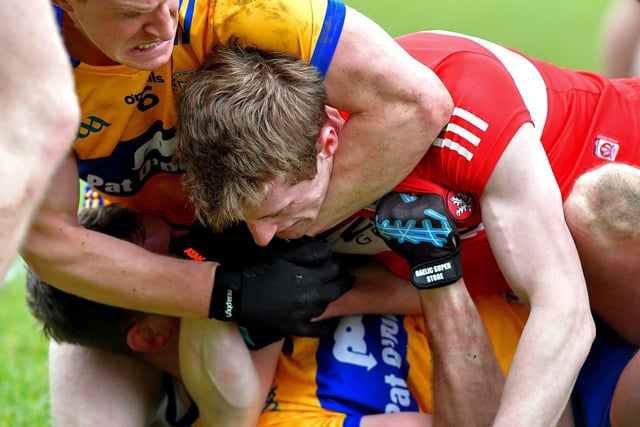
x=522 y=131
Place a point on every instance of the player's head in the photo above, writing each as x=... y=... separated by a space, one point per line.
x=68 y=318
x=136 y=33
x=249 y=120
x=603 y=204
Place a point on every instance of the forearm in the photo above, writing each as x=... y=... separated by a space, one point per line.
x=404 y=419
x=222 y=375
x=539 y=259
x=468 y=381
x=544 y=370
x=376 y=291
x=114 y=272
x=106 y=269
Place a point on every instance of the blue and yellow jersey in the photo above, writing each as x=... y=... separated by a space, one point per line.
x=372 y=364
x=125 y=140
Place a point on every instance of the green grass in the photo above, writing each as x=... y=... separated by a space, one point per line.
x=565 y=33
x=23 y=358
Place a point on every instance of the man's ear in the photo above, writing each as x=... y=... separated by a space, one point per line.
x=327 y=141
x=152 y=333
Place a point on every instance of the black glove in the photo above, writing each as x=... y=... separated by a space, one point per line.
x=277 y=288
x=418 y=228
x=284 y=291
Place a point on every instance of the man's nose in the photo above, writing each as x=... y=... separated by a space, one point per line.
x=162 y=21
x=262 y=231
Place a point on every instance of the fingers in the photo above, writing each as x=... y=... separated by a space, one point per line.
x=307 y=252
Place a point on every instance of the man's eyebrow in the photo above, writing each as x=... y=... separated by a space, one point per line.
x=133 y=7
x=275 y=214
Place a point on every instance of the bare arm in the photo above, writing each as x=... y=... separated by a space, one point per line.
x=82 y=262
x=39 y=114
x=227 y=381
x=397 y=107
x=467 y=379
x=522 y=213
x=621 y=38
x=404 y=419
x=92 y=387
x=376 y=291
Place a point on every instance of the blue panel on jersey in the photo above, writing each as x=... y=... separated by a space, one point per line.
x=132 y=163
x=363 y=368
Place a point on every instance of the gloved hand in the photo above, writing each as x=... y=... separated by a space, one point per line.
x=277 y=288
x=418 y=228
x=284 y=291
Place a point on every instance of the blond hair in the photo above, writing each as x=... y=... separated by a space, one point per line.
x=247 y=118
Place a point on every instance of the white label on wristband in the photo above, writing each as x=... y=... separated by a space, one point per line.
x=229 y=304
x=434 y=270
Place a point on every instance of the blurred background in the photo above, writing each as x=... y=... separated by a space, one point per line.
x=567 y=33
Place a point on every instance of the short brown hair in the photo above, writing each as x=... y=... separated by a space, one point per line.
x=247 y=118
x=606 y=201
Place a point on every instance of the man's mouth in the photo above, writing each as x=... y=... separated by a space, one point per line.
x=146 y=46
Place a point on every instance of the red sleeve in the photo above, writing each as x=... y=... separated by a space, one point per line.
x=489 y=110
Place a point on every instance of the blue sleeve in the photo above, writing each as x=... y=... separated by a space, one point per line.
x=329 y=36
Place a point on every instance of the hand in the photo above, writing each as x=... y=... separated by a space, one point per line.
x=284 y=291
x=418 y=228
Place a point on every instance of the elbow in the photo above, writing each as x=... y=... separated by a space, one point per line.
x=568 y=321
x=428 y=113
x=588 y=329
x=41 y=249
x=436 y=104
x=441 y=107
x=32 y=254
x=583 y=329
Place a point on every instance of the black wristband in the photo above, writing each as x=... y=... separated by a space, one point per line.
x=226 y=297
x=438 y=273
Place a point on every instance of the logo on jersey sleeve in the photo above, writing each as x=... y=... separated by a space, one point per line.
x=461 y=205
x=606 y=148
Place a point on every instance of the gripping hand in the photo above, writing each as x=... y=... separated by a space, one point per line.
x=418 y=228
x=281 y=291
x=271 y=291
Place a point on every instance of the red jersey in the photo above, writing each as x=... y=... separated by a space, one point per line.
x=584 y=120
